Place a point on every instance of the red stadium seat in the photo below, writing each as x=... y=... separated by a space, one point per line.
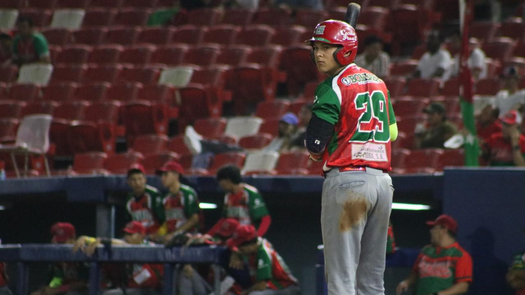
x=513 y=28
x=423 y=87
x=176 y=144
x=54 y=52
x=222 y=34
x=137 y=55
x=170 y=55
x=204 y=16
x=42 y=4
x=140 y=3
x=103 y=73
x=150 y=144
x=288 y=36
x=141 y=118
x=410 y=26
x=520 y=49
x=57 y=36
x=237 y=17
x=402 y=142
x=11 y=109
x=72 y=110
x=272 y=17
x=451 y=104
x=424 y=158
x=189 y=34
x=251 y=84
x=89 y=163
x=487 y=86
x=232 y=158
x=212 y=76
x=106 y=3
x=409 y=106
x=102 y=111
x=255 y=35
x=12 y=4
x=269 y=56
x=404 y=68
x=315 y=168
x=24 y=92
x=395 y=85
x=95 y=91
x=309 y=18
x=143 y=75
x=270 y=126
x=449 y=10
x=92 y=137
x=451 y=87
x=418 y=52
x=89 y=36
x=123 y=91
x=3 y=91
x=186 y=161
x=8 y=128
x=272 y=109
x=299 y=68
x=234 y=55
x=120 y=163
x=39 y=107
x=59 y=136
x=106 y=54
x=399 y=157
x=132 y=17
x=210 y=127
x=98 y=17
x=297 y=105
x=123 y=35
x=499 y=48
x=68 y=73
x=41 y=18
x=293 y=163
x=153 y=162
x=384 y=3
x=157 y=93
x=408 y=124
x=157 y=36
x=61 y=92
x=484 y=31
x=198 y=102
x=203 y=55
x=82 y=4
x=257 y=141
x=8 y=73
x=73 y=54
x=374 y=17
x=227 y=139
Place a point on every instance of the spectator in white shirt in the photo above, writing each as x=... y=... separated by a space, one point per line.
x=510 y=97
x=476 y=61
x=374 y=58
x=436 y=62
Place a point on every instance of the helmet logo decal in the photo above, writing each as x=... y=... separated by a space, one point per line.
x=347 y=35
x=319 y=30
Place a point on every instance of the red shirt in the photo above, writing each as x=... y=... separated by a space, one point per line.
x=501 y=150
x=485 y=132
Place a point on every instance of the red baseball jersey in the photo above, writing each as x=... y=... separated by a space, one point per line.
x=358 y=104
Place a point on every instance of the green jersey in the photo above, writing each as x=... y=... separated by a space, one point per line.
x=247 y=206
x=179 y=207
x=147 y=209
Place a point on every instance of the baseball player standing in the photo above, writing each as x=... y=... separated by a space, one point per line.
x=351 y=129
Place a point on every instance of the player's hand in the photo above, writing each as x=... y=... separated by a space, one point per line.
x=236 y=261
x=50 y=291
x=187 y=270
x=402 y=287
x=90 y=249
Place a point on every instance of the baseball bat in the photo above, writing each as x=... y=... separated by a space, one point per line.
x=352 y=14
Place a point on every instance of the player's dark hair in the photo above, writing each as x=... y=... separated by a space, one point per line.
x=230 y=172
x=372 y=39
x=252 y=241
x=133 y=172
x=25 y=19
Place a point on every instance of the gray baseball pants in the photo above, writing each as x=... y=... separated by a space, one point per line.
x=355 y=214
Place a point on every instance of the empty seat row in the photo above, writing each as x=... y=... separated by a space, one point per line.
x=405 y=161
x=52 y=4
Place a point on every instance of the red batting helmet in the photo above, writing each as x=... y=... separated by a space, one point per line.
x=340 y=33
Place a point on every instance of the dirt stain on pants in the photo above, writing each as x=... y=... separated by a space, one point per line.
x=353 y=210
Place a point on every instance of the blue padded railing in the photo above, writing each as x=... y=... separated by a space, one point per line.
x=25 y=254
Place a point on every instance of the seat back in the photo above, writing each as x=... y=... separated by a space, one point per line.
x=178 y=76
x=33 y=132
x=8 y=19
x=68 y=18
x=260 y=162
x=243 y=126
x=35 y=73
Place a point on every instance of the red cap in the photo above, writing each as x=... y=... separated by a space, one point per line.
x=243 y=233
x=136 y=167
x=172 y=166
x=446 y=221
x=63 y=231
x=228 y=227
x=511 y=118
x=134 y=227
